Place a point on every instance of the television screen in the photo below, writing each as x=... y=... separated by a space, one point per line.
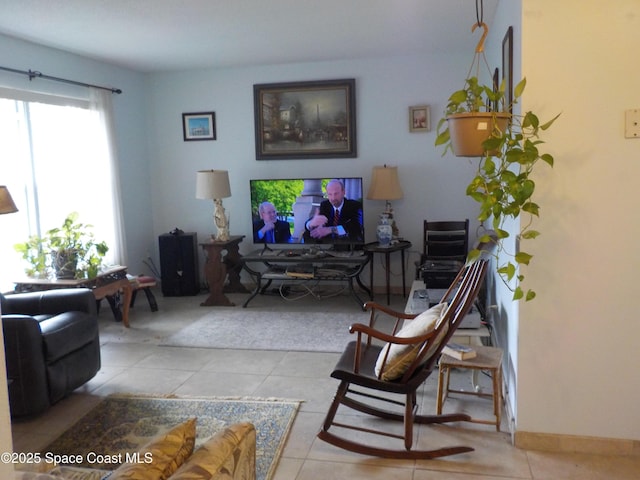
x=308 y=211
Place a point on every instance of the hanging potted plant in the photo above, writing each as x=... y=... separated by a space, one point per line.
x=69 y=251
x=469 y=122
x=508 y=156
x=475 y=112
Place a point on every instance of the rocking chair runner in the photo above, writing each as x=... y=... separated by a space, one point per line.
x=367 y=366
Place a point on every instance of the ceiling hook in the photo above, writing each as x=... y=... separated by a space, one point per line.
x=480 y=47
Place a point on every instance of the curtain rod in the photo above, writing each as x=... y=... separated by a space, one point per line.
x=35 y=74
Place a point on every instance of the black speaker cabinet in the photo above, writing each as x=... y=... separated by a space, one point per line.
x=179 y=264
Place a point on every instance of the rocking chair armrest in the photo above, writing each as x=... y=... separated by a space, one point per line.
x=360 y=329
x=389 y=311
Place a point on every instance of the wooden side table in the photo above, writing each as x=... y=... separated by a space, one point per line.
x=373 y=248
x=107 y=284
x=488 y=358
x=218 y=267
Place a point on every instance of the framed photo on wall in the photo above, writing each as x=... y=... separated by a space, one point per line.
x=199 y=126
x=314 y=119
x=507 y=67
x=419 y=118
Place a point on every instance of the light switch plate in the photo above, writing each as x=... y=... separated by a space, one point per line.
x=632 y=123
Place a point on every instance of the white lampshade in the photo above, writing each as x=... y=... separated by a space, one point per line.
x=385 y=184
x=211 y=184
x=6 y=202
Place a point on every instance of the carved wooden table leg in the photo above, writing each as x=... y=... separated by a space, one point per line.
x=233 y=261
x=215 y=272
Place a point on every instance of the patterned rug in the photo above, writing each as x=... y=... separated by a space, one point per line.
x=258 y=330
x=121 y=424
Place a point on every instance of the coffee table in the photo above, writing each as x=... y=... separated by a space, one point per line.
x=107 y=284
x=267 y=265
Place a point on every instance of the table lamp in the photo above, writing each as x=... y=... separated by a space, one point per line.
x=386 y=186
x=214 y=185
x=6 y=202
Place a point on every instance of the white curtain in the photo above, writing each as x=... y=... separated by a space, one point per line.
x=58 y=155
x=100 y=102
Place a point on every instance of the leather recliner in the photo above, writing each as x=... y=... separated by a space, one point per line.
x=51 y=344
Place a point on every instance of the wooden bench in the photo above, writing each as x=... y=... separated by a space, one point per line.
x=144 y=283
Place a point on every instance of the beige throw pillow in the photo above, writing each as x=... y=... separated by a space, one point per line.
x=230 y=453
x=401 y=356
x=167 y=452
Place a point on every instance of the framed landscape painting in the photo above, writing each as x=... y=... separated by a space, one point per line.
x=305 y=119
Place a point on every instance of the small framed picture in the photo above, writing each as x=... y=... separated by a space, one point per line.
x=199 y=126
x=419 y=118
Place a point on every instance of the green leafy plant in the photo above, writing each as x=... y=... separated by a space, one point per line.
x=71 y=246
x=34 y=254
x=474 y=97
x=503 y=186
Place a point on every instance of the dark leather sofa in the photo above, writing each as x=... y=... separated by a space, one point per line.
x=51 y=346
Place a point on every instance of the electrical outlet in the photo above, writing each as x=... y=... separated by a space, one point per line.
x=632 y=123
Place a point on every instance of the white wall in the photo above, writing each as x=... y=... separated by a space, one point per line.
x=6 y=443
x=578 y=341
x=385 y=88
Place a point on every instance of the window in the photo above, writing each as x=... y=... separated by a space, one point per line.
x=55 y=159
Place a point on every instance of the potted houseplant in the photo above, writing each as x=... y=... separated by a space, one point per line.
x=469 y=118
x=70 y=251
x=509 y=153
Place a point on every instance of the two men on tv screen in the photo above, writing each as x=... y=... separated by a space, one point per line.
x=336 y=220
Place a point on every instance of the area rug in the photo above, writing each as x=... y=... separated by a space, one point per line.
x=258 y=330
x=122 y=423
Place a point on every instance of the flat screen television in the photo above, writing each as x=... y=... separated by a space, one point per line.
x=301 y=211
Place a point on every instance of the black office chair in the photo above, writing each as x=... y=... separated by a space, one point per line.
x=445 y=248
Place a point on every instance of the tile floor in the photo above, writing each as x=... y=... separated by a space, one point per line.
x=133 y=361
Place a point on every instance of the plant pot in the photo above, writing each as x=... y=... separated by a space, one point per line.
x=467 y=131
x=65 y=263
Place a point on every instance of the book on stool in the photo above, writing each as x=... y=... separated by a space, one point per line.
x=459 y=352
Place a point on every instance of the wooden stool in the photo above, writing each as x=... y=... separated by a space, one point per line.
x=488 y=358
x=144 y=283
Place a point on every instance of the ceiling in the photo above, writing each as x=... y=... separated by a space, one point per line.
x=166 y=35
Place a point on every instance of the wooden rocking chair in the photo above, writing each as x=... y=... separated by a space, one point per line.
x=417 y=348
